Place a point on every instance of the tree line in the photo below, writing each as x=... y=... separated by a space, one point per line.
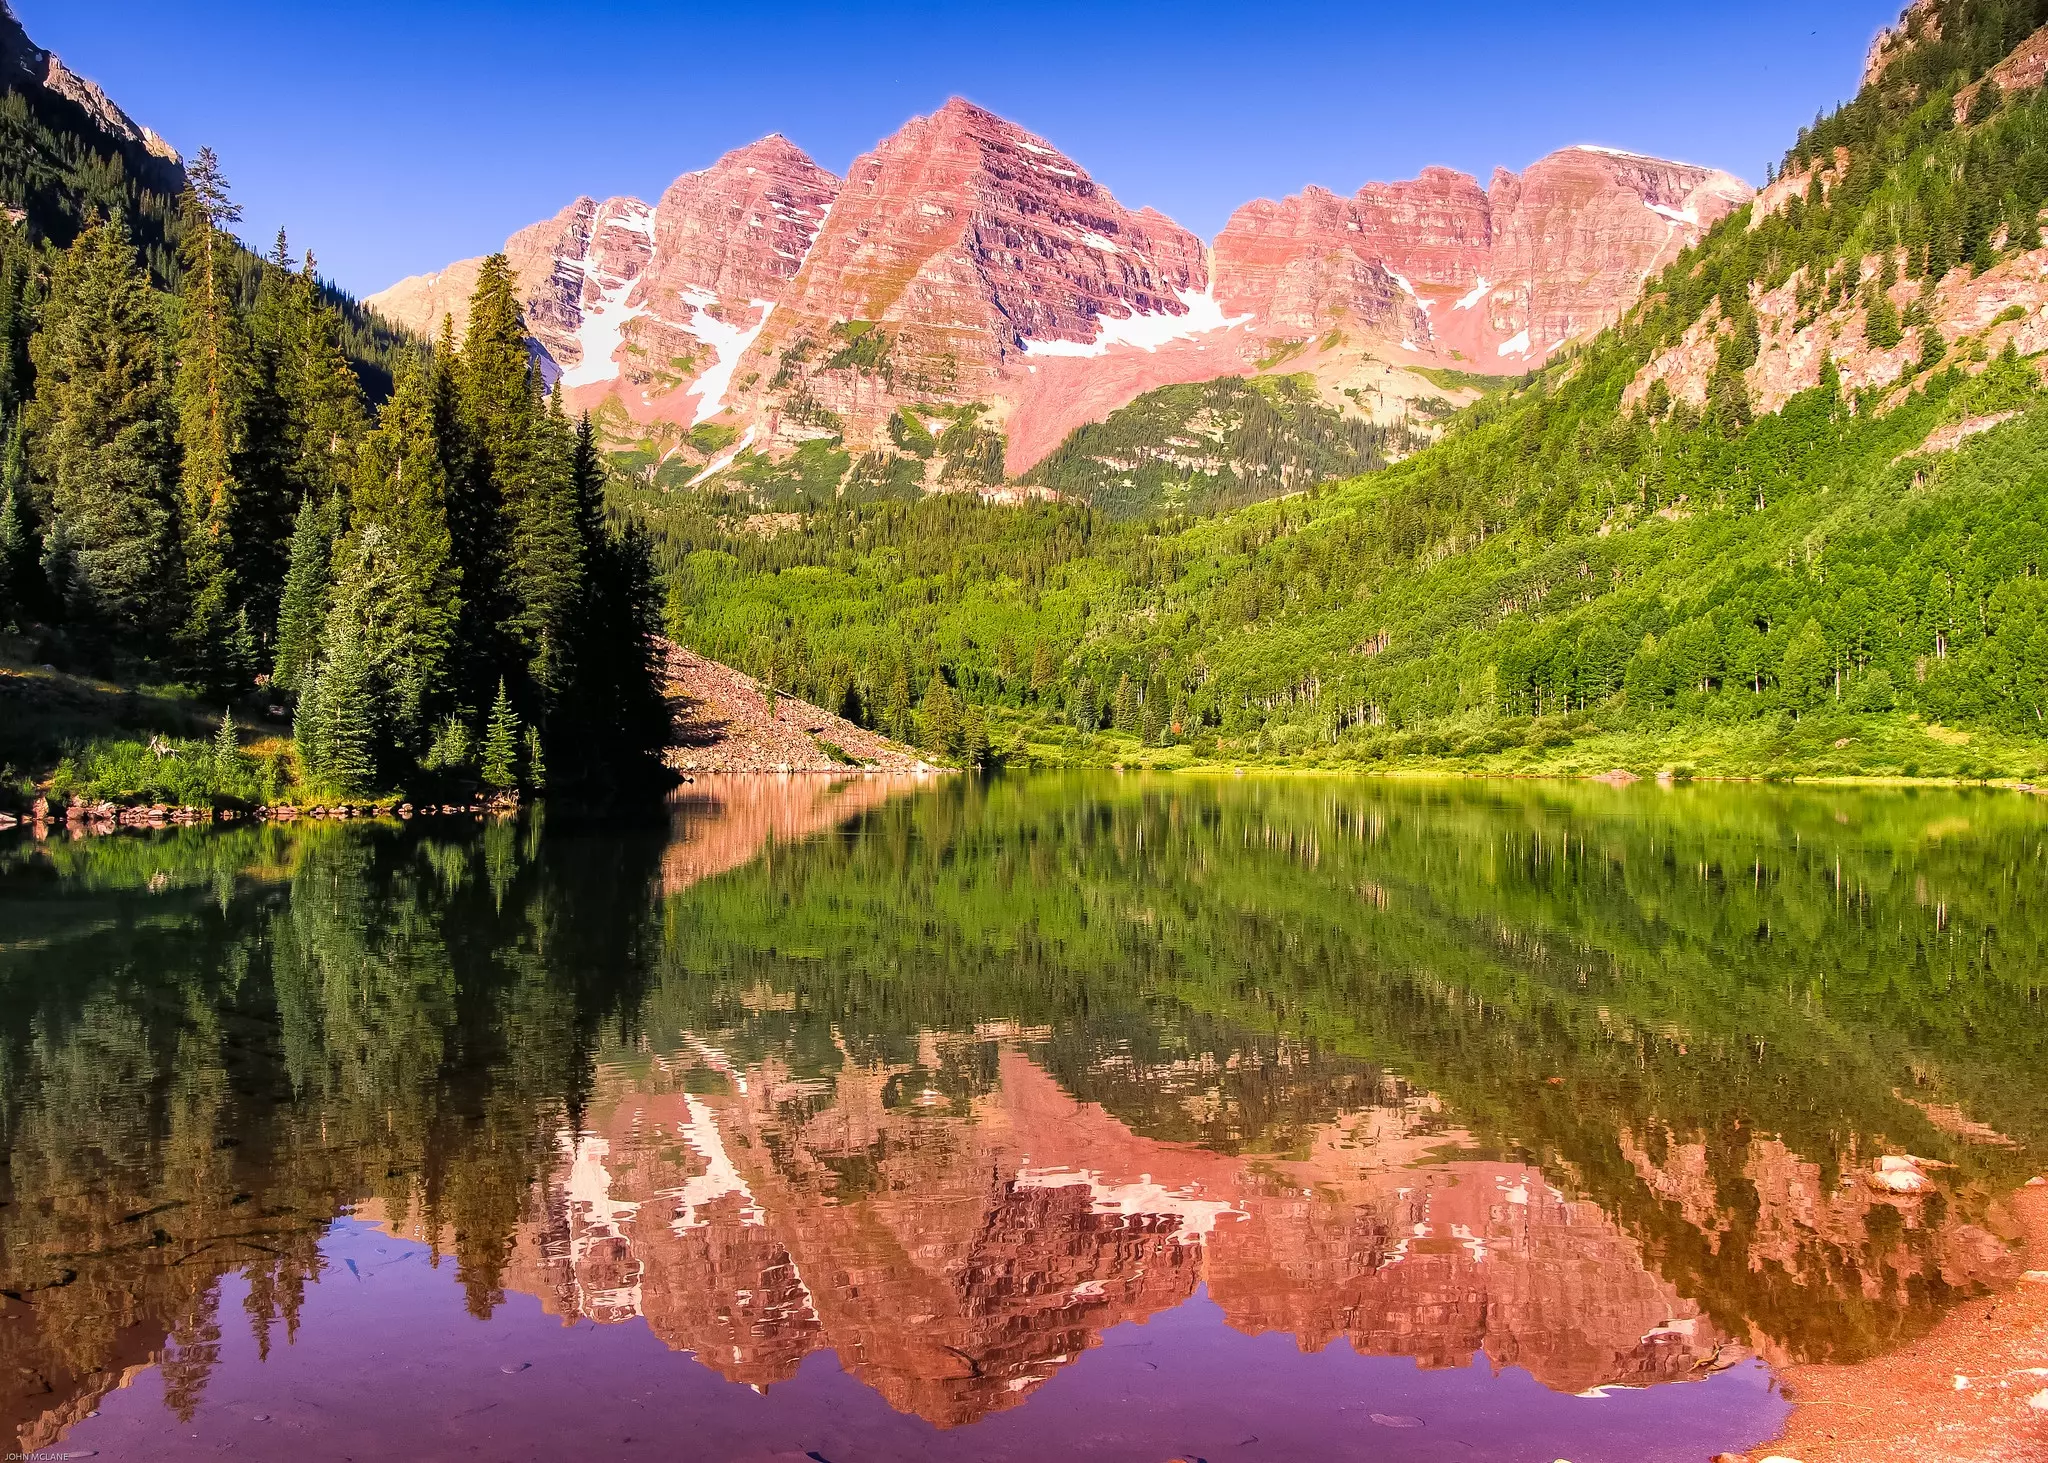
x=195 y=485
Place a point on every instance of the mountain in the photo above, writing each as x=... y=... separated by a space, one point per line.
x=970 y=276
x=893 y=1232
x=643 y=312
x=1785 y=515
x=66 y=149
x=1493 y=280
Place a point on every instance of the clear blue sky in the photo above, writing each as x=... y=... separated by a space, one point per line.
x=396 y=135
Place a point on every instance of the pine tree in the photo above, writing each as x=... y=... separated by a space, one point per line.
x=939 y=717
x=1083 y=706
x=23 y=594
x=302 y=615
x=1127 y=712
x=973 y=737
x=1153 y=726
x=514 y=484
x=501 y=743
x=1041 y=671
x=1881 y=322
x=536 y=763
x=394 y=572
x=346 y=706
x=213 y=399
x=304 y=421
x=100 y=433
x=1803 y=672
x=227 y=752
x=614 y=716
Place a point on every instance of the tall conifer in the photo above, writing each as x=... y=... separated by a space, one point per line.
x=213 y=398
x=302 y=614
x=501 y=743
x=101 y=434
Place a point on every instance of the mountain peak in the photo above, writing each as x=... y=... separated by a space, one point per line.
x=24 y=63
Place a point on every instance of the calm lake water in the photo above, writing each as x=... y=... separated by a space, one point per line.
x=1104 y=1119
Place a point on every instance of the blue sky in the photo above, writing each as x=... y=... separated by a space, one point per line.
x=396 y=135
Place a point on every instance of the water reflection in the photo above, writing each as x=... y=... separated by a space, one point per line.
x=953 y=1083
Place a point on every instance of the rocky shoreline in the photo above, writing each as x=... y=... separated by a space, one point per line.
x=82 y=819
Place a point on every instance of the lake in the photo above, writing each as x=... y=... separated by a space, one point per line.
x=1067 y=1117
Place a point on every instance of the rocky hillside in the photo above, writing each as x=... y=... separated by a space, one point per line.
x=967 y=274
x=65 y=147
x=726 y=721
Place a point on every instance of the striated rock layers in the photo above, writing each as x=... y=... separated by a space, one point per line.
x=650 y=307
x=1490 y=279
x=971 y=274
x=958 y=1250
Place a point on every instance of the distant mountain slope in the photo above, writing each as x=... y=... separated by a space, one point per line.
x=1663 y=550
x=1214 y=446
x=68 y=151
x=766 y=316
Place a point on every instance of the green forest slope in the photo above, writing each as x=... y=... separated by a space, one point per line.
x=1561 y=583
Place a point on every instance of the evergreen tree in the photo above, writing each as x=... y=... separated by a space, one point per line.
x=501 y=743
x=227 y=752
x=1881 y=322
x=939 y=717
x=1041 y=671
x=1126 y=713
x=345 y=705
x=615 y=714
x=213 y=400
x=304 y=421
x=101 y=437
x=452 y=745
x=394 y=571
x=973 y=737
x=1803 y=673
x=302 y=615
x=22 y=590
x=1083 y=706
x=536 y=763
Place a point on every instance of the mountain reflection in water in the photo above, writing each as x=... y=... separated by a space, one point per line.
x=1584 y=1085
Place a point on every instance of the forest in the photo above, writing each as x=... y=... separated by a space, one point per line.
x=205 y=486
x=1563 y=583
x=210 y=492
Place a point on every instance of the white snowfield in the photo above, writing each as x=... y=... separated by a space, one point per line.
x=728 y=342
x=1201 y=315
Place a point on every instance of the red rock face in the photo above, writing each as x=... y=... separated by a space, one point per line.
x=967 y=262
x=650 y=307
x=960 y=244
x=955 y=1259
x=1448 y=274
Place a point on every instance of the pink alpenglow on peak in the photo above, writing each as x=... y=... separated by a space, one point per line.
x=967 y=269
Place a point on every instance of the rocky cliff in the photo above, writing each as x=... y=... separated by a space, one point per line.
x=969 y=275
x=1489 y=280
x=26 y=66
x=649 y=307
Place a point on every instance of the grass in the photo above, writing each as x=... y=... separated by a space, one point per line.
x=64 y=734
x=1822 y=746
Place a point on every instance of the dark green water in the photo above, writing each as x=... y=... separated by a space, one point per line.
x=1102 y=1118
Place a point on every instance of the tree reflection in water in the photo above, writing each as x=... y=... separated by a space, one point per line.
x=948 y=1080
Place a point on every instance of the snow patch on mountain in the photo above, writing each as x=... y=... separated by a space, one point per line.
x=728 y=342
x=1146 y=330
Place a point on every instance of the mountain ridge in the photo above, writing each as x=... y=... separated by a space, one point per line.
x=966 y=264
